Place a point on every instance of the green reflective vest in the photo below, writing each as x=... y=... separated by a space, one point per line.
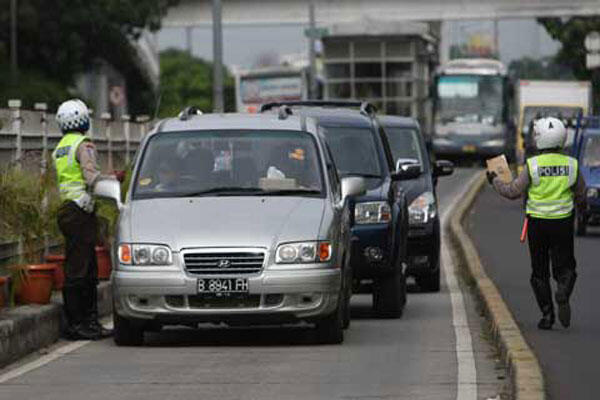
x=552 y=177
x=71 y=183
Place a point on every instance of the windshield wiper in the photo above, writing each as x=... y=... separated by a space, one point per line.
x=283 y=192
x=362 y=175
x=228 y=190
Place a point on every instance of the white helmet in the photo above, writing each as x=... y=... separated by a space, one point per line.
x=73 y=115
x=549 y=133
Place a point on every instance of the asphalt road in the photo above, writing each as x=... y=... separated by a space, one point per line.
x=415 y=357
x=569 y=357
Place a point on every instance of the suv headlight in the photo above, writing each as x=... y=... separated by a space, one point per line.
x=303 y=252
x=422 y=209
x=374 y=212
x=592 y=192
x=145 y=254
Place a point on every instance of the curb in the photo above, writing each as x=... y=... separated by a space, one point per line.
x=26 y=329
x=524 y=368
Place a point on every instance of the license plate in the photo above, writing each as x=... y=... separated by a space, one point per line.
x=469 y=148
x=223 y=285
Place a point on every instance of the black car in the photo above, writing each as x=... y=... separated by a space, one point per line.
x=380 y=217
x=408 y=147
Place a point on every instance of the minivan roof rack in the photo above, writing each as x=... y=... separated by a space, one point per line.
x=188 y=112
x=365 y=107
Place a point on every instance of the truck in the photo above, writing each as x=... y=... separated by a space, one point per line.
x=546 y=98
x=266 y=85
x=471 y=110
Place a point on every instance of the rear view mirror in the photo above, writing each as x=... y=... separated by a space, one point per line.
x=353 y=186
x=109 y=189
x=443 y=168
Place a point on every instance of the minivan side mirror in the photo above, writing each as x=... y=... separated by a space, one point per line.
x=406 y=168
x=353 y=186
x=443 y=168
x=109 y=189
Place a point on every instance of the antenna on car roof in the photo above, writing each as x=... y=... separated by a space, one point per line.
x=188 y=112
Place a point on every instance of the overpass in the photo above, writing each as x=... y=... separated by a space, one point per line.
x=194 y=13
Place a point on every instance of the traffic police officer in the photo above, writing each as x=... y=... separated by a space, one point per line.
x=554 y=186
x=77 y=172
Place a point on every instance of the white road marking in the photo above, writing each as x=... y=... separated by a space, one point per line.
x=467 y=373
x=40 y=362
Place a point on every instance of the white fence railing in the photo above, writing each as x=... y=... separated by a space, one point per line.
x=31 y=134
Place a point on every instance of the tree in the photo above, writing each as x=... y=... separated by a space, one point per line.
x=571 y=33
x=545 y=68
x=59 y=39
x=186 y=80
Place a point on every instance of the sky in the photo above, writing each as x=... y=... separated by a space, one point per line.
x=244 y=45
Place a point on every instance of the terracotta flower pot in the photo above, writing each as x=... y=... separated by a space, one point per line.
x=3 y=291
x=59 y=273
x=104 y=264
x=37 y=287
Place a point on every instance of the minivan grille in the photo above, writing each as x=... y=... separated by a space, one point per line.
x=224 y=263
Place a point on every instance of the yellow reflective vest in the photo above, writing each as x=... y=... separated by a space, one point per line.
x=71 y=183
x=552 y=178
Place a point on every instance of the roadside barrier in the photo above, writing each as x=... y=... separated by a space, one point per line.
x=524 y=369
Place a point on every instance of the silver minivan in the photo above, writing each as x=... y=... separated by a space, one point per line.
x=233 y=218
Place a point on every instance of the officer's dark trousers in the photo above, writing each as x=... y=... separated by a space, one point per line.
x=81 y=270
x=551 y=242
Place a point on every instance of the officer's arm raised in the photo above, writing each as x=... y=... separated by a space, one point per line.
x=514 y=189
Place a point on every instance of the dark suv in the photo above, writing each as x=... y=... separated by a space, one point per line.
x=380 y=217
x=408 y=147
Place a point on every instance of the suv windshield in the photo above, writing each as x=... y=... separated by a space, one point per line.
x=354 y=151
x=404 y=143
x=591 y=153
x=222 y=163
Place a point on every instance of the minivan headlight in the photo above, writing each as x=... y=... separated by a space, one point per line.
x=422 y=209
x=303 y=252
x=374 y=212
x=145 y=254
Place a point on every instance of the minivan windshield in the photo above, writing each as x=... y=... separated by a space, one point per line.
x=354 y=151
x=404 y=143
x=229 y=163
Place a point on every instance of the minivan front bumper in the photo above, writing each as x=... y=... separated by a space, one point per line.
x=275 y=296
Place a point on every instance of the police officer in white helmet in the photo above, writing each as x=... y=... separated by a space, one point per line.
x=75 y=160
x=553 y=186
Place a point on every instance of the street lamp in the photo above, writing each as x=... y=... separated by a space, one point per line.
x=14 y=69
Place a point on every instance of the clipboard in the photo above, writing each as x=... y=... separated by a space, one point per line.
x=499 y=165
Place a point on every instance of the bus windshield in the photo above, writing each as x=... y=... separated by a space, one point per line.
x=470 y=99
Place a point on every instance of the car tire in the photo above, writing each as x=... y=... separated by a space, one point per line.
x=330 y=330
x=581 y=225
x=127 y=332
x=430 y=282
x=389 y=296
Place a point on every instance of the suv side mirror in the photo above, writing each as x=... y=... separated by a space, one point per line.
x=109 y=189
x=443 y=168
x=406 y=168
x=353 y=186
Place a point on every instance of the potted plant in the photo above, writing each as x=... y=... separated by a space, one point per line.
x=29 y=202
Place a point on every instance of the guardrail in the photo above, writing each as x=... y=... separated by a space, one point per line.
x=32 y=134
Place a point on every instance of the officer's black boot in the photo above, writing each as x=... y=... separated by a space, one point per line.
x=564 y=288
x=91 y=312
x=76 y=328
x=547 y=319
x=543 y=295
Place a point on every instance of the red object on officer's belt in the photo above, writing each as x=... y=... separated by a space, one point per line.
x=524 y=231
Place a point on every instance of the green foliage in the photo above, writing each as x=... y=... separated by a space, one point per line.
x=187 y=80
x=571 y=33
x=546 y=68
x=77 y=33
x=34 y=88
x=28 y=207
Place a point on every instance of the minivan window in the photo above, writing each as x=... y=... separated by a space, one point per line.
x=404 y=143
x=229 y=163
x=354 y=151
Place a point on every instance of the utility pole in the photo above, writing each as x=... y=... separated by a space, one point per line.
x=311 y=50
x=217 y=58
x=496 y=39
x=14 y=68
x=188 y=39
